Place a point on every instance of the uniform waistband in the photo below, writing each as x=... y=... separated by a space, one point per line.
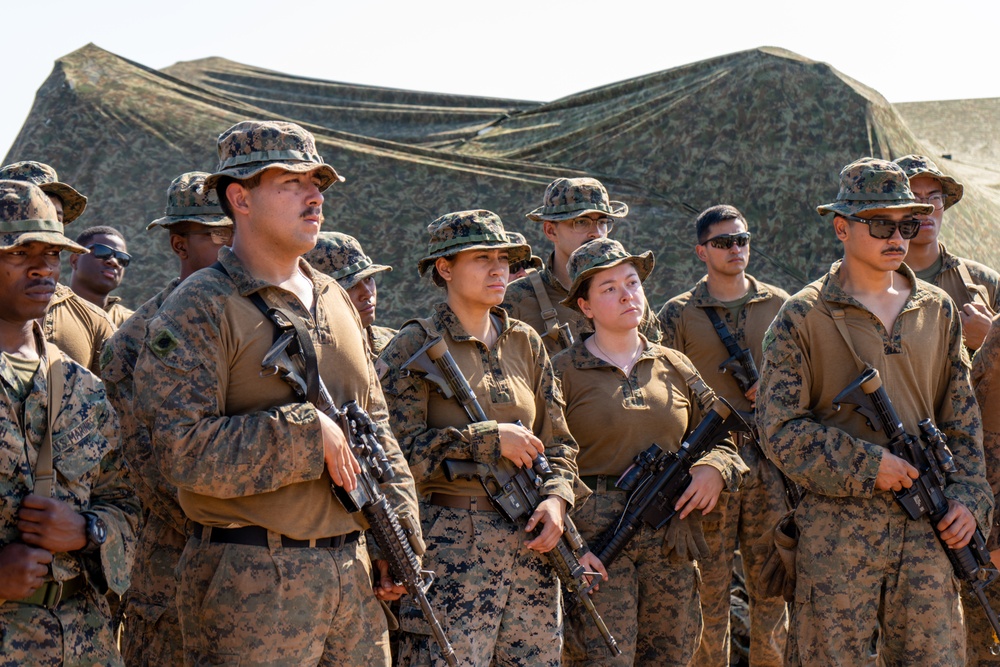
x=51 y=593
x=256 y=536
x=471 y=503
x=600 y=483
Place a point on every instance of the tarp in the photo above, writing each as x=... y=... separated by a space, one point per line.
x=765 y=130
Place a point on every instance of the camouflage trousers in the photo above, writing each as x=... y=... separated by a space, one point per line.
x=249 y=605
x=152 y=632
x=978 y=631
x=649 y=602
x=76 y=633
x=738 y=521
x=497 y=601
x=863 y=565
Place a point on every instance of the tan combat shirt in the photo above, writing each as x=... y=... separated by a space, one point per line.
x=116 y=311
x=950 y=280
x=614 y=417
x=242 y=449
x=77 y=327
x=924 y=370
x=512 y=381
x=686 y=327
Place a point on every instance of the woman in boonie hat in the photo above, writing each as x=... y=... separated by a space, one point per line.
x=623 y=394
x=497 y=594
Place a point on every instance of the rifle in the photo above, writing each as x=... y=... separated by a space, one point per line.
x=513 y=491
x=930 y=455
x=657 y=479
x=395 y=535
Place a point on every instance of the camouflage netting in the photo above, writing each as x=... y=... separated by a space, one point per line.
x=765 y=130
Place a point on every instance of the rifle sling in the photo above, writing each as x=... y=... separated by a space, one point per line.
x=44 y=473
x=549 y=314
x=725 y=335
x=976 y=291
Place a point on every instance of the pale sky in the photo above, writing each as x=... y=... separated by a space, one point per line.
x=538 y=50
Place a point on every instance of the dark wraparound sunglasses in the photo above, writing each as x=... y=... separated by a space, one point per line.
x=882 y=229
x=726 y=241
x=103 y=252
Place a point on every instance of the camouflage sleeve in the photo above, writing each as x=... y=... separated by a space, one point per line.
x=179 y=397
x=668 y=318
x=822 y=459
x=985 y=377
x=407 y=396
x=724 y=456
x=649 y=326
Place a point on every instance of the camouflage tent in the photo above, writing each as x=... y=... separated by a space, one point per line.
x=765 y=130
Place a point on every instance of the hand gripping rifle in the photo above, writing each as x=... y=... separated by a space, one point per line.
x=657 y=480
x=931 y=456
x=513 y=491
x=395 y=535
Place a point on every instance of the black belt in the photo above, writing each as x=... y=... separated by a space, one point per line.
x=256 y=536
x=51 y=593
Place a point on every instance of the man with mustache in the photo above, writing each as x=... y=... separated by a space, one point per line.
x=67 y=516
x=275 y=570
x=100 y=272
x=862 y=564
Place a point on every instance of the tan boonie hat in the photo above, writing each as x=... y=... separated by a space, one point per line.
x=47 y=179
x=27 y=215
x=870 y=184
x=568 y=198
x=341 y=257
x=918 y=165
x=598 y=255
x=469 y=230
x=534 y=261
x=189 y=201
x=251 y=146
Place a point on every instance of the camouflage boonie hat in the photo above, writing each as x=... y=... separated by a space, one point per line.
x=251 y=146
x=27 y=215
x=189 y=201
x=870 y=184
x=534 y=261
x=47 y=179
x=469 y=230
x=918 y=165
x=341 y=257
x=568 y=198
x=596 y=256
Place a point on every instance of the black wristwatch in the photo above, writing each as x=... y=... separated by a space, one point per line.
x=97 y=532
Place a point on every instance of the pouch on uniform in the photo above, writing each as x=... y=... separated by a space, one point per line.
x=777 y=576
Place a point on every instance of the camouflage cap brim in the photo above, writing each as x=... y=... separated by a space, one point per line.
x=73 y=202
x=327 y=174
x=643 y=265
x=952 y=189
x=516 y=252
x=48 y=232
x=536 y=263
x=855 y=207
x=349 y=280
x=209 y=220
x=615 y=209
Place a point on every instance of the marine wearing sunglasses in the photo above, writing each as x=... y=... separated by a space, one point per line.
x=726 y=241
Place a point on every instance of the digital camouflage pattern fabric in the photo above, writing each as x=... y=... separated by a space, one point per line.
x=47 y=179
x=469 y=230
x=920 y=165
x=341 y=257
x=869 y=184
x=568 y=198
x=188 y=200
x=28 y=216
x=598 y=255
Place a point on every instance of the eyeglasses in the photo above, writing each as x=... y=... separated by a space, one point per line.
x=880 y=228
x=585 y=224
x=103 y=252
x=517 y=267
x=726 y=241
x=936 y=200
x=219 y=236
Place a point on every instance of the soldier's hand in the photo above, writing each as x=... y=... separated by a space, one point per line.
x=337 y=454
x=550 y=514
x=976 y=320
x=51 y=524
x=751 y=394
x=894 y=474
x=385 y=588
x=703 y=491
x=22 y=570
x=591 y=563
x=519 y=444
x=957 y=526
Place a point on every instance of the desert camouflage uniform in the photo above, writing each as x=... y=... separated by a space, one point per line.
x=498 y=601
x=46 y=178
x=116 y=311
x=986 y=281
x=861 y=562
x=77 y=327
x=742 y=517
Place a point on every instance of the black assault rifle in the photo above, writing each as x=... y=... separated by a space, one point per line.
x=513 y=491
x=394 y=535
x=932 y=458
x=657 y=480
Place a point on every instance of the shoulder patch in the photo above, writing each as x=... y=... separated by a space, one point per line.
x=163 y=343
x=106 y=354
x=769 y=338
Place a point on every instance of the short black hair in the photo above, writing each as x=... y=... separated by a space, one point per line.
x=714 y=215
x=223 y=183
x=87 y=235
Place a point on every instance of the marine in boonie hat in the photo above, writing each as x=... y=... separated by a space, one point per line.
x=453 y=233
x=919 y=165
x=47 y=179
x=596 y=256
x=189 y=201
x=27 y=215
x=870 y=184
x=534 y=261
x=251 y=146
x=341 y=257
x=568 y=198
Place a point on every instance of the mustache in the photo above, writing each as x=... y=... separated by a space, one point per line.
x=41 y=282
x=893 y=251
x=312 y=211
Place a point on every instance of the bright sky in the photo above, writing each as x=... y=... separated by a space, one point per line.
x=533 y=50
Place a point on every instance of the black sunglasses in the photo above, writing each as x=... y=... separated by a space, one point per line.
x=882 y=229
x=103 y=252
x=726 y=241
